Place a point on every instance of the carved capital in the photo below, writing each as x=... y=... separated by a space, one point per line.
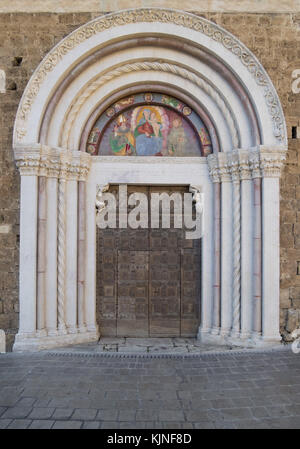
x=254 y=162
x=41 y=160
x=213 y=167
x=84 y=166
x=53 y=165
x=224 y=167
x=239 y=165
x=28 y=161
x=244 y=165
x=271 y=161
x=233 y=163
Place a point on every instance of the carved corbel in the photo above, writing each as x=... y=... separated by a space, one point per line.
x=100 y=203
x=198 y=198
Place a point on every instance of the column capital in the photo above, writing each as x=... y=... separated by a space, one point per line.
x=245 y=164
x=28 y=160
x=42 y=160
x=213 y=167
x=233 y=162
x=224 y=167
x=271 y=161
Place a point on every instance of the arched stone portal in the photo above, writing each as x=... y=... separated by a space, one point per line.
x=213 y=73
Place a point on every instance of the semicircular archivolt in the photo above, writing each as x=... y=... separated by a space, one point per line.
x=152 y=15
x=175 y=69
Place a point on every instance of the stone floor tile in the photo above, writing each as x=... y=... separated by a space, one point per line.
x=41 y=424
x=277 y=411
x=204 y=425
x=4 y=423
x=127 y=415
x=235 y=413
x=84 y=414
x=19 y=424
x=91 y=425
x=41 y=413
x=147 y=415
x=62 y=413
x=110 y=425
x=26 y=402
x=259 y=412
x=107 y=415
x=67 y=425
x=171 y=415
x=17 y=412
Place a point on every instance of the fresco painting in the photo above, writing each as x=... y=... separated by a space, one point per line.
x=149 y=125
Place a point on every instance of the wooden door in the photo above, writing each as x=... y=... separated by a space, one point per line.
x=148 y=280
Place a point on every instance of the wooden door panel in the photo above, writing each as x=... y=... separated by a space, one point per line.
x=106 y=281
x=133 y=273
x=190 y=290
x=164 y=293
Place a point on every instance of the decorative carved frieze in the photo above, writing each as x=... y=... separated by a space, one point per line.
x=41 y=160
x=239 y=165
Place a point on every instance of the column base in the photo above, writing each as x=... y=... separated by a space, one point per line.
x=33 y=343
x=221 y=338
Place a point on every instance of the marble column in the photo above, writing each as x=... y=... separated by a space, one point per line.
x=214 y=173
x=226 y=244
x=246 y=245
x=271 y=162
x=81 y=251
x=51 y=243
x=71 y=255
x=207 y=269
x=257 y=245
x=89 y=308
x=28 y=163
x=233 y=160
x=65 y=159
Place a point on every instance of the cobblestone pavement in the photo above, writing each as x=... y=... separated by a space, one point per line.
x=72 y=390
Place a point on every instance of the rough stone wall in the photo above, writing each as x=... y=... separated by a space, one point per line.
x=26 y=38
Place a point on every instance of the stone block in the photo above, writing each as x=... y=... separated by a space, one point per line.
x=293 y=320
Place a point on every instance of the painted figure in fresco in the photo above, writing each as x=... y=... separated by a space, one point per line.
x=148 y=135
x=177 y=139
x=121 y=140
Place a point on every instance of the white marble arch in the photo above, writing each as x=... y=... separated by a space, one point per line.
x=240 y=279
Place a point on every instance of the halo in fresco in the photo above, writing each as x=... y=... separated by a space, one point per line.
x=149 y=124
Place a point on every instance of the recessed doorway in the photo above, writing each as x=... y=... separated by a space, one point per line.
x=148 y=280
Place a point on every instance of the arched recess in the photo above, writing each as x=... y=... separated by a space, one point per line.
x=211 y=70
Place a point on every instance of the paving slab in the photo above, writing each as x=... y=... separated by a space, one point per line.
x=74 y=389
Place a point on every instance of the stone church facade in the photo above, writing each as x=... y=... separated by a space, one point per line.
x=78 y=90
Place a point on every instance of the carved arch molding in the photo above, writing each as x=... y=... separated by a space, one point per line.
x=204 y=66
